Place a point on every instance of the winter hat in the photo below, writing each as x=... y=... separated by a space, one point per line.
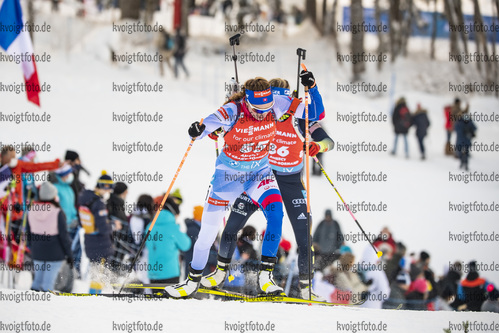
x=47 y=192
x=492 y=292
x=119 y=188
x=424 y=255
x=197 y=213
x=71 y=155
x=105 y=181
x=171 y=206
x=285 y=245
x=420 y=286
x=472 y=266
x=63 y=171
x=345 y=249
x=176 y=195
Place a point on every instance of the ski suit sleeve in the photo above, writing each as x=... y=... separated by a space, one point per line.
x=63 y=235
x=315 y=108
x=224 y=117
x=318 y=135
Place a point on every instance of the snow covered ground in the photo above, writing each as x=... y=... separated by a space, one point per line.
x=417 y=193
x=91 y=314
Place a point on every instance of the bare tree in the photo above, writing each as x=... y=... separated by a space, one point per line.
x=395 y=19
x=130 y=9
x=333 y=24
x=453 y=38
x=460 y=21
x=151 y=6
x=481 y=42
x=496 y=65
x=311 y=9
x=358 y=37
x=381 y=46
x=434 y=30
x=406 y=27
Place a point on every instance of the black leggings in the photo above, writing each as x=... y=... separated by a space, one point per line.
x=293 y=196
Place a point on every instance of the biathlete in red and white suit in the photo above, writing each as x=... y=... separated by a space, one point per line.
x=249 y=122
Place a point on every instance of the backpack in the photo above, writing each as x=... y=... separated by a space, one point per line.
x=87 y=219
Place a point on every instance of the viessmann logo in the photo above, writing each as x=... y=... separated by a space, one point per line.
x=252 y=129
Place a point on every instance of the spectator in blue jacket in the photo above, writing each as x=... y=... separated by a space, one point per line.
x=49 y=240
x=62 y=179
x=95 y=220
x=465 y=130
x=421 y=121
x=164 y=244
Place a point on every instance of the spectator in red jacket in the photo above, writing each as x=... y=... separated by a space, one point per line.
x=18 y=167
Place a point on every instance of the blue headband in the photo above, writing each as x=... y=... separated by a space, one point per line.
x=281 y=91
x=255 y=98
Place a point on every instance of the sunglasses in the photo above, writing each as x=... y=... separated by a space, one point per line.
x=259 y=109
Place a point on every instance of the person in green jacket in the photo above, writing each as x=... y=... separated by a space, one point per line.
x=164 y=243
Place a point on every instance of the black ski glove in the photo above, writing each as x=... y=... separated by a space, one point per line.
x=196 y=129
x=307 y=79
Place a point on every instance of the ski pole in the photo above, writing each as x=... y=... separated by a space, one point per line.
x=233 y=41
x=378 y=253
x=307 y=171
x=301 y=55
x=8 y=218
x=143 y=243
x=22 y=242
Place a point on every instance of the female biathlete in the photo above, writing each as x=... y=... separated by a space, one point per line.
x=249 y=122
x=286 y=161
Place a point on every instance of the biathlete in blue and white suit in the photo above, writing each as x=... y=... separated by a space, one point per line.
x=286 y=159
x=249 y=122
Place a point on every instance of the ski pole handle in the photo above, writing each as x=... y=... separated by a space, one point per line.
x=305 y=69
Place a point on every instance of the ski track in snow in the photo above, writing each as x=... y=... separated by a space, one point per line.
x=98 y=314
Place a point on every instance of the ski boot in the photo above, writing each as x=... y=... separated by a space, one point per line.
x=266 y=283
x=188 y=287
x=217 y=278
x=305 y=290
